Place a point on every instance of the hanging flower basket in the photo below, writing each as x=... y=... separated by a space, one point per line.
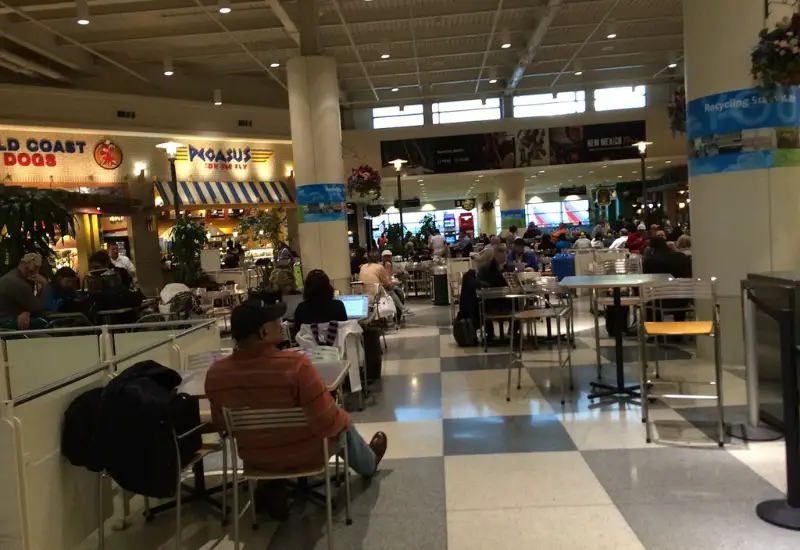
x=488 y=206
x=776 y=58
x=364 y=181
x=677 y=111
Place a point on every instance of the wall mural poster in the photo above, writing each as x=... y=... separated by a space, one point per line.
x=321 y=202
x=596 y=142
x=744 y=130
x=448 y=154
x=532 y=147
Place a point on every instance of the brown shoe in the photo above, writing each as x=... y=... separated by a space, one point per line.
x=378 y=445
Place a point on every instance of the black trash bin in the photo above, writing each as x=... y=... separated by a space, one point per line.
x=439 y=288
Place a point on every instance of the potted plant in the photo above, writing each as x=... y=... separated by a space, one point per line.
x=32 y=221
x=188 y=239
x=776 y=57
x=394 y=238
x=366 y=181
x=426 y=229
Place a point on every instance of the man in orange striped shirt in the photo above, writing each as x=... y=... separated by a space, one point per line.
x=258 y=375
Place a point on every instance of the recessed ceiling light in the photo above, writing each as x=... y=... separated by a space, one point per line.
x=492 y=81
x=224 y=7
x=275 y=65
x=591 y=171
x=620 y=177
x=580 y=176
x=169 y=70
x=420 y=180
x=385 y=56
x=605 y=166
x=667 y=162
x=672 y=65
x=612 y=36
x=505 y=39
x=578 y=73
x=82 y=15
x=480 y=175
x=395 y=89
x=541 y=171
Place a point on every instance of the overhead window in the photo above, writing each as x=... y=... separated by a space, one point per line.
x=471 y=110
x=394 y=117
x=625 y=97
x=562 y=103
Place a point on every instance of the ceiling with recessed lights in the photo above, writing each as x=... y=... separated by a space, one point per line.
x=387 y=50
x=547 y=179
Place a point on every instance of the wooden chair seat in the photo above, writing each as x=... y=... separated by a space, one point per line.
x=538 y=313
x=624 y=300
x=675 y=328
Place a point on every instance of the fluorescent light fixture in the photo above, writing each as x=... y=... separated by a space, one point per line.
x=171 y=147
x=169 y=70
x=274 y=64
x=224 y=6
x=82 y=12
x=217 y=97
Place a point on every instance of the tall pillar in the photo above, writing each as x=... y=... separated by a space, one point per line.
x=87 y=239
x=762 y=202
x=318 y=166
x=512 y=201
x=486 y=220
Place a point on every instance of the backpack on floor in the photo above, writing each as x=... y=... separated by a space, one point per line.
x=140 y=412
x=373 y=353
x=610 y=315
x=464 y=333
x=79 y=443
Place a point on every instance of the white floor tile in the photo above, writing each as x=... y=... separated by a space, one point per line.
x=449 y=348
x=767 y=459
x=482 y=393
x=407 y=367
x=491 y=482
x=407 y=439
x=412 y=332
x=563 y=527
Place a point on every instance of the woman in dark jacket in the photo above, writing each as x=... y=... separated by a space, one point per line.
x=319 y=304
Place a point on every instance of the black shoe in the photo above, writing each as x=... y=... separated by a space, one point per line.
x=272 y=497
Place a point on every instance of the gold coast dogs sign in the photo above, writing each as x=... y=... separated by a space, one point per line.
x=224 y=158
x=38 y=151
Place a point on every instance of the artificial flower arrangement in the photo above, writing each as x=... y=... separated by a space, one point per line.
x=776 y=58
x=366 y=181
x=677 y=111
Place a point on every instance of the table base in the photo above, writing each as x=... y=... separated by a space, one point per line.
x=193 y=494
x=613 y=391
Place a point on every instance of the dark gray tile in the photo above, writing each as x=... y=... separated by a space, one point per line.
x=482 y=361
x=403 y=399
x=445 y=330
x=630 y=354
x=413 y=348
x=705 y=418
x=402 y=507
x=505 y=434
x=676 y=476
x=732 y=525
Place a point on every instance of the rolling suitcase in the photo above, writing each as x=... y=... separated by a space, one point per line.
x=563 y=265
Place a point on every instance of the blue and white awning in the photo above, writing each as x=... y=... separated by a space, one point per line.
x=226 y=192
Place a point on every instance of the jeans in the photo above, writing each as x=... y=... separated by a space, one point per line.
x=362 y=458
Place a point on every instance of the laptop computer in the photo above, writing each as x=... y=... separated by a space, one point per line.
x=357 y=307
x=291 y=301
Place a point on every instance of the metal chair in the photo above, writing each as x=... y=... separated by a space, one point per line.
x=239 y=420
x=550 y=301
x=204 y=359
x=618 y=266
x=694 y=292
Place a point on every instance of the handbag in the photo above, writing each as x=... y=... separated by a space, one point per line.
x=385 y=308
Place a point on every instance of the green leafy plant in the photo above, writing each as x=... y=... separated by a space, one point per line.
x=267 y=227
x=394 y=238
x=426 y=229
x=32 y=221
x=188 y=239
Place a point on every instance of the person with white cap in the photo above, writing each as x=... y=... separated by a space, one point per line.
x=22 y=295
x=620 y=241
x=637 y=241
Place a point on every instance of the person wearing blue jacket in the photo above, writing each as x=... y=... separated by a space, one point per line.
x=519 y=255
x=562 y=243
x=61 y=293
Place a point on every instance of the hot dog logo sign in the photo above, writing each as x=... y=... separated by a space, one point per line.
x=224 y=158
x=43 y=152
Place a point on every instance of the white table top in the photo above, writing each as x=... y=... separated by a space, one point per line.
x=612 y=281
x=332 y=372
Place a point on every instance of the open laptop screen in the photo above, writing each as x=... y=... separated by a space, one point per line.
x=357 y=306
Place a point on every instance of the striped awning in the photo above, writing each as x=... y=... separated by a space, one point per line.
x=226 y=192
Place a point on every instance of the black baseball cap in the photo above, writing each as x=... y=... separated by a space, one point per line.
x=248 y=318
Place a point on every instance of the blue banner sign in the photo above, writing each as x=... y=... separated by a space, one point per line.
x=322 y=202
x=749 y=129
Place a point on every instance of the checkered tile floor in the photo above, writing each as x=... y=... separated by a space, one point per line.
x=467 y=470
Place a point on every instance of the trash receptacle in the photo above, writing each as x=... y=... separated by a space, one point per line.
x=440 y=288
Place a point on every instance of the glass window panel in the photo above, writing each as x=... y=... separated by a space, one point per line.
x=466 y=116
x=415 y=109
x=626 y=97
x=398 y=121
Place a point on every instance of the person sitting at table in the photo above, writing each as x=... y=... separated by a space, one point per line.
x=61 y=295
x=562 y=243
x=257 y=375
x=664 y=260
x=546 y=244
x=319 y=304
x=490 y=275
x=121 y=261
x=374 y=276
x=22 y=295
x=359 y=258
x=519 y=255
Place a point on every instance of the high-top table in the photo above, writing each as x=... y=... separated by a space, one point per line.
x=615 y=282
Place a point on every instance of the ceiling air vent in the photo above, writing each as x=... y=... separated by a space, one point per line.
x=246 y=123
x=126 y=114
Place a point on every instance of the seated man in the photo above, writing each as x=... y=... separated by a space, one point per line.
x=519 y=255
x=19 y=304
x=491 y=275
x=258 y=375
